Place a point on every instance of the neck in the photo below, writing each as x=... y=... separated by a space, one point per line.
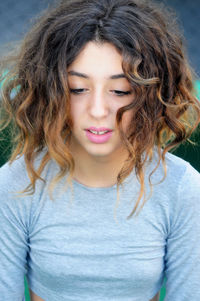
x=98 y=171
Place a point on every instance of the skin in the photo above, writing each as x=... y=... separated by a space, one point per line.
x=97 y=165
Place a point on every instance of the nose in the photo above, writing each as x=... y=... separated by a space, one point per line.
x=98 y=105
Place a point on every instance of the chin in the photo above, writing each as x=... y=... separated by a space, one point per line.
x=101 y=151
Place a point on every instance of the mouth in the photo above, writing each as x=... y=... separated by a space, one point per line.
x=98 y=137
x=98 y=132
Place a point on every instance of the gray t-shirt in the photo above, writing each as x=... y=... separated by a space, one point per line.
x=74 y=249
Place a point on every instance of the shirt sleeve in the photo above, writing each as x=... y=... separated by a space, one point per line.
x=13 y=235
x=182 y=259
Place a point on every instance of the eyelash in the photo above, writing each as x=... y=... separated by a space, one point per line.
x=121 y=93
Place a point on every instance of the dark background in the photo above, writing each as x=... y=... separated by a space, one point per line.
x=16 y=16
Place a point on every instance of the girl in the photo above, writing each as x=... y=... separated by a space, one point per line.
x=92 y=204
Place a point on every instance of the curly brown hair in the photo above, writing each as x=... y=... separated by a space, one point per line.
x=36 y=95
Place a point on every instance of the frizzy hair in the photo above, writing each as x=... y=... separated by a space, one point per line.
x=165 y=109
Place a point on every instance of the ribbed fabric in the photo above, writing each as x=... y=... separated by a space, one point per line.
x=81 y=248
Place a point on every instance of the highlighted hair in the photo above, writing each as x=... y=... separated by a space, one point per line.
x=35 y=95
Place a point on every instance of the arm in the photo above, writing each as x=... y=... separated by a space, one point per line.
x=156 y=297
x=182 y=259
x=34 y=297
x=13 y=239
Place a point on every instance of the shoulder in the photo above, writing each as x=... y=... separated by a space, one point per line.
x=14 y=176
x=181 y=186
x=176 y=164
x=184 y=187
x=177 y=171
x=19 y=207
x=182 y=172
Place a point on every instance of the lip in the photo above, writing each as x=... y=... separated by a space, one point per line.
x=95 y=138
x=102 y=129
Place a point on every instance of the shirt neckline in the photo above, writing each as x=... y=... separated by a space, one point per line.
x=101 y=189
x=89 y=188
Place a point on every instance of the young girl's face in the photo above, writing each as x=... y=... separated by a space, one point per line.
x=98 y=89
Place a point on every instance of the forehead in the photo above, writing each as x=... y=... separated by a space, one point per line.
x=98 y=60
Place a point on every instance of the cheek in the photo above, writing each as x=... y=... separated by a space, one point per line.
x=76 y=112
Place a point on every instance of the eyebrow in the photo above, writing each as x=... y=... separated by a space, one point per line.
x=83 y=75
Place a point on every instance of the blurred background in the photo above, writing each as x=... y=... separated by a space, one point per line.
x=16 y=18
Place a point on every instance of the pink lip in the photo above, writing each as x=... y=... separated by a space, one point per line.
x=95 y=138
x=92 y=128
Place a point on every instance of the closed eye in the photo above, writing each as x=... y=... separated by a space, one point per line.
x=77 y=91
x=117 y=92
x=121 y=93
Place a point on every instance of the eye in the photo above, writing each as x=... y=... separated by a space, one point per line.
x=77 y=91
x=117 y=92
x=121 y=93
